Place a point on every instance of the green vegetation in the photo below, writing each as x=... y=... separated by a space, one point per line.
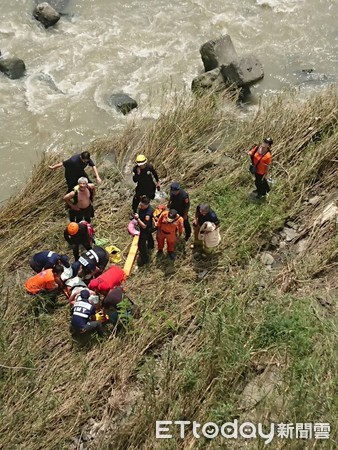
x=203 y=343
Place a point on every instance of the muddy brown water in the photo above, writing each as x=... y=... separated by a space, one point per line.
x=144 y=49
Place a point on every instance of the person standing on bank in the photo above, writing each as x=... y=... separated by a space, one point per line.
x=203 y=214
x=80 y=201
x=179 y=200
x=145 y=222
x=144 y=175
x=260 y=163
x=75 y=169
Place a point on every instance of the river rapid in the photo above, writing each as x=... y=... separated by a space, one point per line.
x=142 y=48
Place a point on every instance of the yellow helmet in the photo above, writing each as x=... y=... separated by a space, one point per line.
x=141 y=159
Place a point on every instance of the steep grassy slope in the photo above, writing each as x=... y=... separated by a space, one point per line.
x=218 y=339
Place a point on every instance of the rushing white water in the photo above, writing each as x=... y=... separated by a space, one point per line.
x=140 y=47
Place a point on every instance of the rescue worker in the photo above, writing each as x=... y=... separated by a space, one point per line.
x=110 y=303
x=83 y=316
x=210 y=236
x=112 y=277
x=74 y=169
x=203 y=214
x=117 y=305
x=145 y=222
x=47 y=260
x=80 y=201
x=46 y=282
x=77 y=234
x=91 y=263
x=169 y=228
x=179 y=200
x=144 y=175
x=260 y=163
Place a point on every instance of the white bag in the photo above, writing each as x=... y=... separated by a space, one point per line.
x=209 y=234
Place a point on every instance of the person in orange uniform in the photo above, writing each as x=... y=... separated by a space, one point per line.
x=260 y=163
x=47 y=281
x=169 y=227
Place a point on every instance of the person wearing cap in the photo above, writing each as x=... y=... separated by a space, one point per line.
x=77 y=234
x=260 y=162
x=80 y=201
x=45 y=282
x=179 y=200
x=147 y=180
x=112 y=277
x=145 y=222
x=74 y=169
x=83 y=316
x=47 y=260
x=203 y=214
x=169 y=228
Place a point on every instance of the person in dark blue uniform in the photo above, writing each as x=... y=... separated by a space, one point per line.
x=203 y=214
x=92 y=262
x=75 y=169
x=47 y=260
x=145 y=221
x=82 y=313
x=179 y=200
x=144 y=175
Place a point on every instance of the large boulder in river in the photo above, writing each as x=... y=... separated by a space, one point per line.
x=45 y=14
x=14 y=68
x=217 y=53
x=122 y=102
x=58 y=5
x=246 y=71
x=212 y=80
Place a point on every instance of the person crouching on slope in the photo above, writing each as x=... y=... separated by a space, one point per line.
x=47 y=260
x=260 y=163
x=112 y=277
x=169 y=228
x=77 y=234
x=46 y=283
x=83 y=316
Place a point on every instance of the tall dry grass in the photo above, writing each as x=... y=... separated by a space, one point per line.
x=200 y=341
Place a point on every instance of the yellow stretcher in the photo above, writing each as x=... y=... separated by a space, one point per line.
x=131 y=256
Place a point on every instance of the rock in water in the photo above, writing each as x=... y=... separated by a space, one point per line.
x=58 y=5
x=217 y=53
x=14 y=68
x=244 y=72
x=123 y=103
x=212 y=80
x=45 y=14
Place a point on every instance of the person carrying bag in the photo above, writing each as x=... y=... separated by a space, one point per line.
x=260 y=163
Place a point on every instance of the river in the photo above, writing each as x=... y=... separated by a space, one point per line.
x=143 y=48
